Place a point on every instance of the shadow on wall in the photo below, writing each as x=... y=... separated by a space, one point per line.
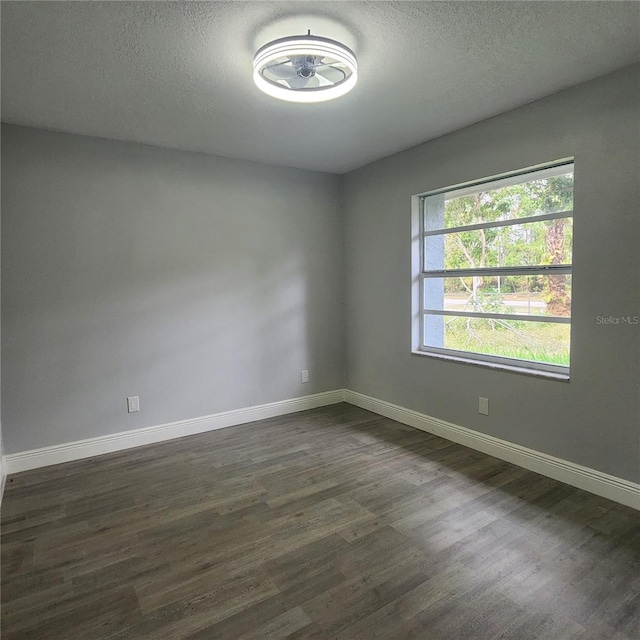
x=199 y=284
x=210 y=340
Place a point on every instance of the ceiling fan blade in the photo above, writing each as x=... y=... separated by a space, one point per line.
x=331 y=74
x=281 y=70
x=297 y=82
x=323 y=81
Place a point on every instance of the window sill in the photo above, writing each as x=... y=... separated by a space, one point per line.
x=527 y=371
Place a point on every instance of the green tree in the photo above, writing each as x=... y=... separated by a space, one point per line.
x=527 y=244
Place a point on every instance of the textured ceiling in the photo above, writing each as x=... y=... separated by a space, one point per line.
x=178 y=74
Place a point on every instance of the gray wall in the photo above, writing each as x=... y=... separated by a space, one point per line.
x=201 y=284
x=595 y=418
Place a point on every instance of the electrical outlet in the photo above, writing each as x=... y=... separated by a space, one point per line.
x=133 y=404
x=483 y=406
x=305 y=375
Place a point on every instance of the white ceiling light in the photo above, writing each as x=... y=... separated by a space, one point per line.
x=305 y=69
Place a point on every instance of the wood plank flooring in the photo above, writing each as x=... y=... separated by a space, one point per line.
x=329 y=524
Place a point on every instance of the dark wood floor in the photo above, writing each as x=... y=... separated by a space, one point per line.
x=333 y=523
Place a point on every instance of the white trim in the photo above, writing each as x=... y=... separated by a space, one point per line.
x=498 y=365
x=499 y=223
x=555 y=371
x=497 y=316
x=544 y=170
x=421 y=216
x=417 y=286
x=524 y=270
x=602 y=484
x=66 y=452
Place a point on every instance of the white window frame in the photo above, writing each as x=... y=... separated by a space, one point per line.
x=420 y=272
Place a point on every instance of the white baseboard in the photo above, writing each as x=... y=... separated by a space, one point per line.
x=56 y=454
x=602 y=484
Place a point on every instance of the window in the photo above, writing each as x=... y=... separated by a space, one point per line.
x=492 y=270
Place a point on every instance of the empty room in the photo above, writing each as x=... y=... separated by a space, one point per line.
x=320 y=320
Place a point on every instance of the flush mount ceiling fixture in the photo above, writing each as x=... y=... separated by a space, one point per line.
x=305 y=69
